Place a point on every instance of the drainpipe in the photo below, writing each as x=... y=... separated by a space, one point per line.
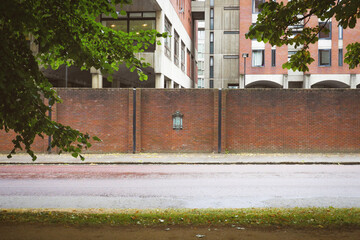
x=219 y=121
x=49 y=139
x=134 y=120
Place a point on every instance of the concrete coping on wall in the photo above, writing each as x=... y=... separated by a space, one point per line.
x=188 y=158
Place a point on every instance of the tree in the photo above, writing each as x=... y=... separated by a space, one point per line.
x=278 y=22
x=66 y=32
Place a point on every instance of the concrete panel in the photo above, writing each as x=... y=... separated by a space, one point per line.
x=226 y=2
x=255 y=45
x=316 y=78
x=276 y=78
x=324 y=44
x=230 y=44
x=231 y=20
x=230 y=69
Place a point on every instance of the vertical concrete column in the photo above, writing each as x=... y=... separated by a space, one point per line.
x=171 y=84
x=159 y=80
x=306 y=83
x=352 y=81
x=97 y=81
x=159 y=51
x=285 y=81
x=241 y=81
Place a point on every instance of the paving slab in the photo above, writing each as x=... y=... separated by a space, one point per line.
x=181 y=158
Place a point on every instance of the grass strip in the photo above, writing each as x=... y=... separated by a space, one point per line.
x=251 y=217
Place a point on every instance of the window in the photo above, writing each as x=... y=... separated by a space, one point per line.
x=200 y=68
x=132 y=22
x=340 y=57
x=167 y=43
x=176 y=48
x=256 y=4
x=141 y=25
x=231 y=56
x=201 y=34
x=211 y=3
x=340 y=32
x=180 y=4
x=258 y=58
x=325 y=57
x=290 y=53
x=211 y=42
x=232 y=8
x=233 y=85
x=211 y=19
x=201 y=50
x=119 y=25
x=231 y=32
x=211 y=83
x=201 y=83
x=273 y=57
x=326 y=30
x=211 y=67
x=182 y=56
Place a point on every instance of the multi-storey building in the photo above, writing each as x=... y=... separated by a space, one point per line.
x=232 y=61
x=172 y=63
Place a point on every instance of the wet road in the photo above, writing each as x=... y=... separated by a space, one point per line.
x=178 y=186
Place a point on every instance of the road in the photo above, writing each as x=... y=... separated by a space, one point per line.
x=178 y=186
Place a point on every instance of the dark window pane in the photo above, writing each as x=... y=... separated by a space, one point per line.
x=149 y=15
x=135 y=15
x=256 y=4
x=138 y=25
x=273 y=57
x=176 y=48
x=324 y=57
x=340 y=57
x=326 y=32
x=119 y=25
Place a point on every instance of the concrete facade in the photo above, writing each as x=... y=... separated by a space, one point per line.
x=172 y=62
x=227 y=21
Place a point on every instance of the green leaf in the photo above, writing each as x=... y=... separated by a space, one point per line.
x=95 y=138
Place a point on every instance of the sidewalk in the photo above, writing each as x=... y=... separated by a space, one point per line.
x=185 y=158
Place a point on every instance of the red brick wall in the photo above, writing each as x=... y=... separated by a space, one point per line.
x=253 y=120
x=293 y=120
x=100 y=112
x=157 y=134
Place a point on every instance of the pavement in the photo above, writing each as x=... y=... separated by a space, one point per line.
x=186 y=158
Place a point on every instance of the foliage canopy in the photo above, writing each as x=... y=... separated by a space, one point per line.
x=278 y=22
x=66 y=32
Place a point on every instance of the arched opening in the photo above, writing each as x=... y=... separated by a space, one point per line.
x=358 y=86
x=263 y=84
x=330 y=84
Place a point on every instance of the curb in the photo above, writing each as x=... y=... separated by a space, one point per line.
x=180 y=163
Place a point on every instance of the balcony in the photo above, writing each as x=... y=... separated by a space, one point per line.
x=198 y=10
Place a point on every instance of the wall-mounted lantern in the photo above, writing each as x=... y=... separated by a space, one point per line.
x=177 y=121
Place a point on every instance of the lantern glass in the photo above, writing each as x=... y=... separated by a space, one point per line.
x=177 y=121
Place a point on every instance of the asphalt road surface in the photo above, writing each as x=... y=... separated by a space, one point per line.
x=179 y=186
